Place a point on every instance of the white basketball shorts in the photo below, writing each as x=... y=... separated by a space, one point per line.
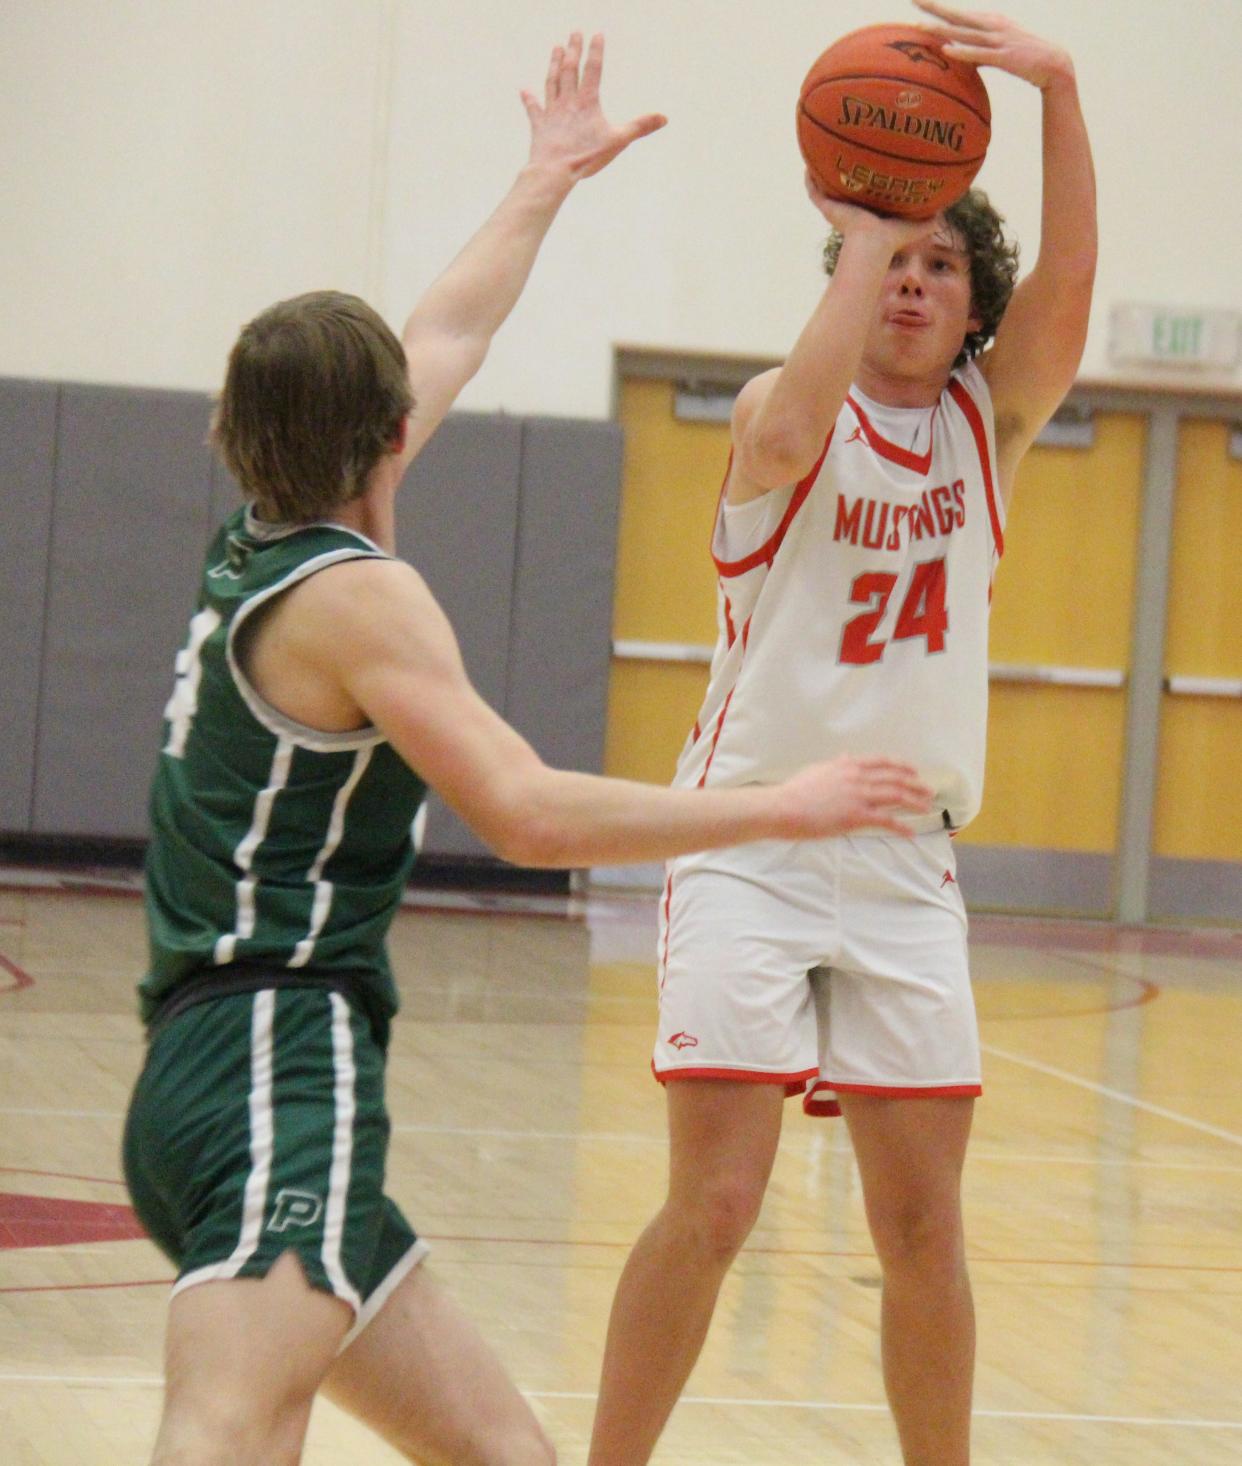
x=831 y=967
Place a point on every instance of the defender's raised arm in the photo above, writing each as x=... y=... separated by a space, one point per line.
x=450 y=329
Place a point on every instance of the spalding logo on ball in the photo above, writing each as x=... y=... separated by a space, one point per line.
x=887 y=120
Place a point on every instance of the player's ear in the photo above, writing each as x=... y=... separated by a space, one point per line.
x=397 y=442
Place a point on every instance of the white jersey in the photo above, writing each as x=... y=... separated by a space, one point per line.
x=853 y=606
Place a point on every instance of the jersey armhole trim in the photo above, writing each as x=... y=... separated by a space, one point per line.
x=970 y=411
x=317 y=740
x=766 y=552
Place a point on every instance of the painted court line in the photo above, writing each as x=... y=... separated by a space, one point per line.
x=1183 y=1423
x=1230 y=1136
x=841 y=1406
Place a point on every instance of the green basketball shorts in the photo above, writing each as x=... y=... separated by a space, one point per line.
x=258 y=1127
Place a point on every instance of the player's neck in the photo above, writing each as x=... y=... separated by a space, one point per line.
x=900 y=391
x=372 y=515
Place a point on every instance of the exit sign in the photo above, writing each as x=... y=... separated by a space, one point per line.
x=1161 y=335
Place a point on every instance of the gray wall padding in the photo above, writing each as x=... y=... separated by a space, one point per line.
x=457 y=525
x=1018 y=878
x=27 y=462
x=561 y=643
x=1209 y=890
x=110 y=496
x=130 y=526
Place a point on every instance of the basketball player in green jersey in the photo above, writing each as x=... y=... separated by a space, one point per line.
x=320 y=691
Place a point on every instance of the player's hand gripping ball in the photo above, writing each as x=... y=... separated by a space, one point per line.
x=887 y=120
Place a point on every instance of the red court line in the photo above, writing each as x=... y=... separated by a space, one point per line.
x=21 y=978
x=1148 y=992
x=975 y=1261
x=91 y=1287
x=1172 y=1267
x=85 y=888
x=61 y=1175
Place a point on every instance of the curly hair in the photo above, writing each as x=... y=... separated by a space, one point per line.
x=314 y=396
x=993 y=264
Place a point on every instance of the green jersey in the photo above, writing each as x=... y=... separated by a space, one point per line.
x=276 y=849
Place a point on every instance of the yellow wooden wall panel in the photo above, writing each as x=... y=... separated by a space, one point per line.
x=1197 y=797
x=1204 y=637
x=651 y=708
x=1196 y=814
x=1065 y=587
x=1064 y=597
x=1054 y=762
x=666 y=583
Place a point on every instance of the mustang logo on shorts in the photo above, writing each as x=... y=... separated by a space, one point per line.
x=947 y=880
x=684 y=1041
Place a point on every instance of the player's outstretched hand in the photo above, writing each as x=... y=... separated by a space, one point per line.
x=850 y=793
x=994 y=40
x=570 y=127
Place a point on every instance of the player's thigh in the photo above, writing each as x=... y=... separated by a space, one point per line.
x=422 y=1376
x=244 y=1357
x=910 y=1156
x=723 y=1136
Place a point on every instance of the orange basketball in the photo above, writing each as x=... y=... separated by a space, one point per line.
x=887 y=120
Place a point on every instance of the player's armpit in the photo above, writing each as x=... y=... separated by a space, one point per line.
x=381 y=635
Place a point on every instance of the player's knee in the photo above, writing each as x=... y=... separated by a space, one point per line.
x=220 y=1432
x=918 y=1233
x=721 y=1215
x=515 y=1444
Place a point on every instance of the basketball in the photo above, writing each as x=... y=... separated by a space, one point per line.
x=887 y=120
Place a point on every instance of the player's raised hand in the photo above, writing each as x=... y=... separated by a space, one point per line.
x=570 y=126
x=849 y=793
x=994 y=40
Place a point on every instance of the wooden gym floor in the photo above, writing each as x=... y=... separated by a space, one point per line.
x=1104 y=1191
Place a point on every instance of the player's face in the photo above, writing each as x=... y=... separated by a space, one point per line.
x=925 y=307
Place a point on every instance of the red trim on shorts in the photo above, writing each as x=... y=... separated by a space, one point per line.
x=794 y=1083
x=918 y=462
x=668 y=926
x=730 y=633
x=904 y=1091
x=970 y=411
x=766 y=552
x=815 y=1104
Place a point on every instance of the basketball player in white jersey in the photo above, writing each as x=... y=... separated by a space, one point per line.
x=861 y=522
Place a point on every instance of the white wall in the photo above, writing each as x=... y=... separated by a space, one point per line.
x=171 y=166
